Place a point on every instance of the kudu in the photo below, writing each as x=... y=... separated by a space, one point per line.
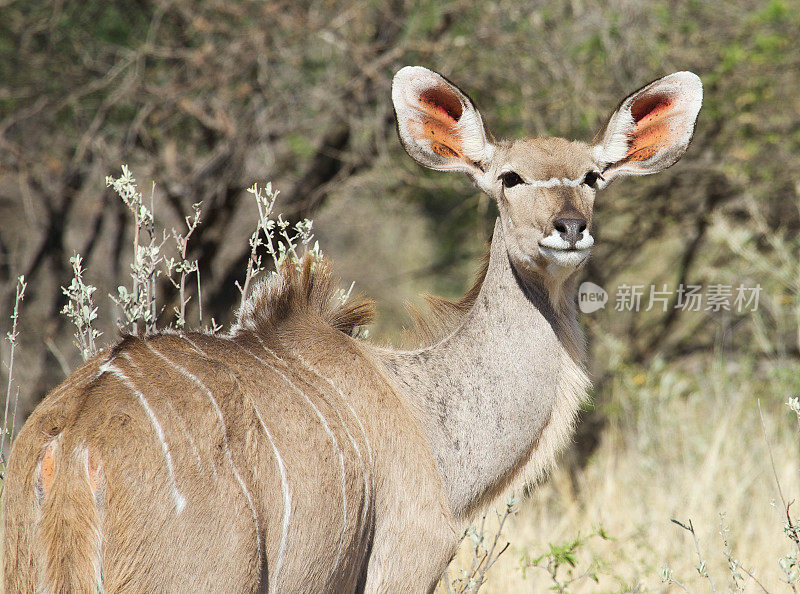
x=288 y=456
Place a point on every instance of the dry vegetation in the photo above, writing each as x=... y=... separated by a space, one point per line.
x=209 y=98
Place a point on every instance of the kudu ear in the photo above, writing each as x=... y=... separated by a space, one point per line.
x=651 y=128
x=438 y=124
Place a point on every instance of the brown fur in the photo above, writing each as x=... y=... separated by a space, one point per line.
x=288 y=357
x=70 y=514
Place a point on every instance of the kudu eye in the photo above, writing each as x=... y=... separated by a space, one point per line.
x=591 y=177
x=510 y=179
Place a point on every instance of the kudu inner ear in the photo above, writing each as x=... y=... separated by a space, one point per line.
x=438 y=124
x=652 y=127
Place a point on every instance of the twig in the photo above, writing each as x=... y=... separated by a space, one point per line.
x=184 y=267
x=483 y=556
x=475 y=563
x=680 y=585
x=701 y=566
x=199 y=298
x=12 y=339
x=494 y=545
x=734 y=564
x=80 y=309
x=14 y=415
x=448 y=586
x=792 y=529
x=755 y=579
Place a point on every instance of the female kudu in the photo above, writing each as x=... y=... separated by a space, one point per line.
x=287 y=455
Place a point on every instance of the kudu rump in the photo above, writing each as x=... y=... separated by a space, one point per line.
x=288 y=456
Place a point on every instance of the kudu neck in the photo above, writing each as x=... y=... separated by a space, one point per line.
x=487 y=391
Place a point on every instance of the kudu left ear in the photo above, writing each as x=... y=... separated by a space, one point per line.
x=651 y=128
x=438 y=124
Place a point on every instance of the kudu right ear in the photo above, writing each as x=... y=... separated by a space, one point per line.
x=651 y=128
x=438 y=124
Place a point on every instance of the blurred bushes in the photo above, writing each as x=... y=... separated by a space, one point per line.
x=207 y=98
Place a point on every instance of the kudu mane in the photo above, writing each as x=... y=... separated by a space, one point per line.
x=303 y=291
x=444 y=315
x=306 y=291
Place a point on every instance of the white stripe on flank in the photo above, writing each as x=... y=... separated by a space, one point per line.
x=195 y=451
x=287 y=502
x=81 y=455
x=106 y=367
x=186 y=373
x=365 y=509
x=180 y=500
x=315 y=372
x=133 y=364
x=287 y=496
x=335 y=387
x=327 y=428
x=183 y=425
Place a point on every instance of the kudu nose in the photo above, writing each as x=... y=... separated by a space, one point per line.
x=570 y=230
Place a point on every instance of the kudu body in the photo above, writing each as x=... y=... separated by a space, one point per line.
x=288 y=456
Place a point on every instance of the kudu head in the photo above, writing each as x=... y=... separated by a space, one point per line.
x=545 y=187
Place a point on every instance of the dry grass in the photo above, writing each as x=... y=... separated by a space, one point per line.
x=680 y=444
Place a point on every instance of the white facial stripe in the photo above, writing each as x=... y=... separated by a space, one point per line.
x=548 y=183
x=180 y=500
x=194 y=379
x=555 y=181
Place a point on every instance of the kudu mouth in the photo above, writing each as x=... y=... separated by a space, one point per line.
x=569 y=254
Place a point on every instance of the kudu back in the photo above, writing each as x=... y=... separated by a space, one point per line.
x=289 y=456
